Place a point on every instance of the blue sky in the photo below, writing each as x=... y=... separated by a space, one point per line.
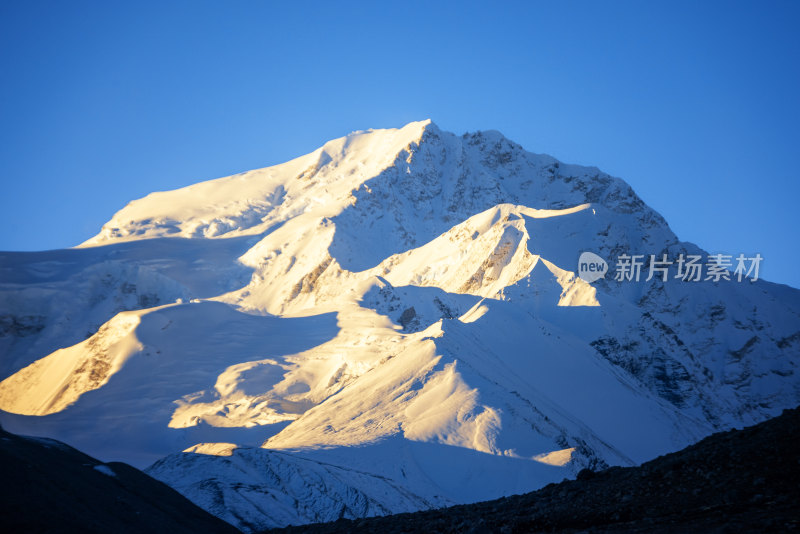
x=695 y=104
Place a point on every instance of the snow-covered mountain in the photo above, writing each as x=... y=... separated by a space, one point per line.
x=391 y=322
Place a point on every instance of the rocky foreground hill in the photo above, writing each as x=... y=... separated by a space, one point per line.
x=47 y=486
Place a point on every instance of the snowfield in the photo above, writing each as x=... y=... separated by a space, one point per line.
x=390 y=323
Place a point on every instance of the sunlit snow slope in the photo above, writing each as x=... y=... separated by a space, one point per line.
x=388 y=323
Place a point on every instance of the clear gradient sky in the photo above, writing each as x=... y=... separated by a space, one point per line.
x=695 y=104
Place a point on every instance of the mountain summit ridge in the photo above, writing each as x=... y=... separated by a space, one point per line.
x=240 y=199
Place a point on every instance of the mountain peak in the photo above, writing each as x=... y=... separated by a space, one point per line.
x=403 y=302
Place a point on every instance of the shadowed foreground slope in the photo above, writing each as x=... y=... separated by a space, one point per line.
x=741 y=480
x=48 y=486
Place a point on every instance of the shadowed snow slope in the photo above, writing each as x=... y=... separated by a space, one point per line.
x=394 y=317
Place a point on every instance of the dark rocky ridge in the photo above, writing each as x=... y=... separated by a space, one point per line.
x=737 y=481
x=47 y=486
